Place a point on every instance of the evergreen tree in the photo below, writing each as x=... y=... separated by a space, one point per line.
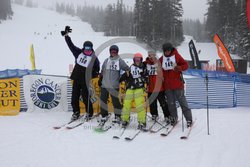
x=5 y=9
x=243 y=35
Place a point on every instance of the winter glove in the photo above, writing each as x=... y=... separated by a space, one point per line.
x=66 y=31
x=177 y=68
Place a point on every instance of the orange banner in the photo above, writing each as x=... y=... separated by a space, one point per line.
x=224 y=54
x=10 y=96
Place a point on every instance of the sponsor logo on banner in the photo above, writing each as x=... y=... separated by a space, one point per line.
x=10 y=96
x=45 y=93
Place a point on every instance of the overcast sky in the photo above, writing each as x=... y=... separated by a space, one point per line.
x=194 y=9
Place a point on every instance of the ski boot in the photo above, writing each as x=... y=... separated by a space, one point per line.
x=142 y=127
x=75 y=116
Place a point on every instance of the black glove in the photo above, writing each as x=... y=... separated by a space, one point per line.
x=66 y=31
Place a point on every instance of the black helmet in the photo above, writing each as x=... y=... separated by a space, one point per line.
x=88 y=45
x=167 y=47
x=114 y=47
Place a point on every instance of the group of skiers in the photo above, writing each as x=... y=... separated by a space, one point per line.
x=161 y=78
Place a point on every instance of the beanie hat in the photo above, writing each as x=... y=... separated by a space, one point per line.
x=167 y=47
x=88 y=45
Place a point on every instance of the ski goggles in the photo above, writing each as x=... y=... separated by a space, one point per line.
x=87 y=48
x=114 y=51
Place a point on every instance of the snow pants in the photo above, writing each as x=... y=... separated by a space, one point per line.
x=138 y=96
x=161 y=97
x=178 y=95
x=80 y=89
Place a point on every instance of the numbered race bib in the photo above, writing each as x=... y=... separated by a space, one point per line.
x=152 y=69
x=83 y=60
x=168 y=63
x=113 y=65
x=136 y=71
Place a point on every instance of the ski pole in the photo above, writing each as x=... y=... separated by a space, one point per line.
x=206 y=81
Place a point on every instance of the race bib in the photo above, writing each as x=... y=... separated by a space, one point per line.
x=152 y=69
x=136 y=71
x=83 y=60
x=168 y=63
x=113 y=65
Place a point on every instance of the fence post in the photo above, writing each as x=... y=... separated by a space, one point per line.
x=234 y=92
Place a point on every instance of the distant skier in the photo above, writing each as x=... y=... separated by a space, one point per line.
x=109 y=82
x=155 y=87
x=135 y=85
x=85 y=60
x=173 y=65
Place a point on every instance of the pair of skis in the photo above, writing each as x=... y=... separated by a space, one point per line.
x=167 y=129
x=131 y=136
x=69 y=125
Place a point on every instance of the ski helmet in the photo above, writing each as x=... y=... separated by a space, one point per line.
x=114 y=47
x=167 y=47
x=88 y=45
x=138 y=56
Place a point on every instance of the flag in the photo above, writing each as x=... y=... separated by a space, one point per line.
x=194 y=55
x=32 y=57
x=224 y=54
x=248 y=13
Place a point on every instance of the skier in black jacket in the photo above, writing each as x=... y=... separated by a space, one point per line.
x=87 y=66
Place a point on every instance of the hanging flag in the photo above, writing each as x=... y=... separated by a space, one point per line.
x=248 y=13
x=194 y=55
x=32 y=57
x=224 y=54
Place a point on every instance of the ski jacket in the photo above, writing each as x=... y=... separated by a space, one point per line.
x=111 y=71
x=173 y=79
x=137 y=77
x=155 y=77
x=86 y=67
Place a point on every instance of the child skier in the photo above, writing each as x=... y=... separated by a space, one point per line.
x=135 y=84
x=155 y=87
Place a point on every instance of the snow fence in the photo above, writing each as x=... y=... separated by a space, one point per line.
x=48 y=92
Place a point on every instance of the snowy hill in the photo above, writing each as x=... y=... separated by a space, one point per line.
x=42 y=28
x=28 y=140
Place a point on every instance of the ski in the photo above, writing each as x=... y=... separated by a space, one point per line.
x=185 y=136
x=105 y=127
x=68 y=123
x=120 y=133
x=168 y=129
x=133 y=136
x=151 y=127
x=158 y=130
x=102 y=129
x=79 y=124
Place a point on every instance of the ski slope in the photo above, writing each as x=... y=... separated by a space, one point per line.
x=28 y=140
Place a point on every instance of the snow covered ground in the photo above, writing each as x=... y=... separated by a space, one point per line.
x=28 y=140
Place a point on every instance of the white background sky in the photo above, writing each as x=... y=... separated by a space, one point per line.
x=194 y=9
